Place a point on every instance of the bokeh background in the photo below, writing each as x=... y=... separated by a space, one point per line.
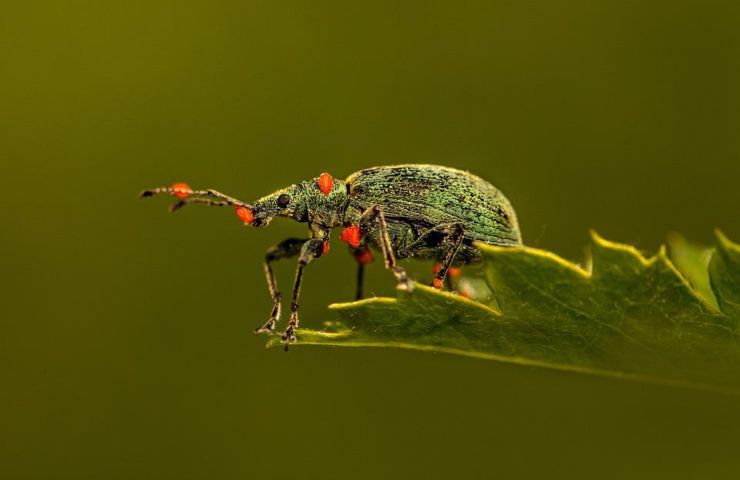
x=126 y=345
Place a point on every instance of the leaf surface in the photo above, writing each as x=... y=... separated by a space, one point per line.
x=665 y=319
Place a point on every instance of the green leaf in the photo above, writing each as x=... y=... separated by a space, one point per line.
x=670 y=320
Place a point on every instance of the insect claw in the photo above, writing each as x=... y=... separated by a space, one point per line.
x=146 y=193
x=404 y=283
x=288 y=337
x=268 y=327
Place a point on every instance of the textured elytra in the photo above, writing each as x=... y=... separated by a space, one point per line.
x=421 y=197
x=625 y=315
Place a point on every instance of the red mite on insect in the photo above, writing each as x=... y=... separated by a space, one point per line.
x=181 y=190
x=452 y=272
x=325 y=183
x=245 y=214
x=351 y=236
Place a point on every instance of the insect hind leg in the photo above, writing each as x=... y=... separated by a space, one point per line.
x=455 y=239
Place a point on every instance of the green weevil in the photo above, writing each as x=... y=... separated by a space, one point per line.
x=403 y=211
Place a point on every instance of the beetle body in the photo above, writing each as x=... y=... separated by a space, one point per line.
x=419 y=198
x=404 y=211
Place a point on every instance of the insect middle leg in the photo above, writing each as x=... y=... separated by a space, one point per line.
x=363 y=256
x=375 y=213
x=286 y=249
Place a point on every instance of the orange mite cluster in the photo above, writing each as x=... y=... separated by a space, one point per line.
x=181 y=190
x=326 y=182
x=245 y=214
x=452 y=272
x=351 y=235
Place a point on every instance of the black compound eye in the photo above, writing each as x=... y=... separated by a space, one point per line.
x=283 y=200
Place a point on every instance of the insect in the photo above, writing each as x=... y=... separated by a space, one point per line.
x=403 y=211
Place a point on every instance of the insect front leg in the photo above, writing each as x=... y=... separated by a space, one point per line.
x=310 y=251
x=375 y=214
x=286 y=249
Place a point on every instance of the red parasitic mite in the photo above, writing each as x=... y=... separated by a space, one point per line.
x=181 y=190
x=245 y=214
x=454 y=272
x=351 y=236
x=325 y=183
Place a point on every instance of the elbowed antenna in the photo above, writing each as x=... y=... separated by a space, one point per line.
x=187 y=195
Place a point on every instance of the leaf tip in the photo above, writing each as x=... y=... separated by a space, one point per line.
x=602 y=242
x=629 y=251
x=596 y=238
x=724 y=242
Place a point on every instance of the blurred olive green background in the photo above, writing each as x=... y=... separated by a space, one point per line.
x=126 y=345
